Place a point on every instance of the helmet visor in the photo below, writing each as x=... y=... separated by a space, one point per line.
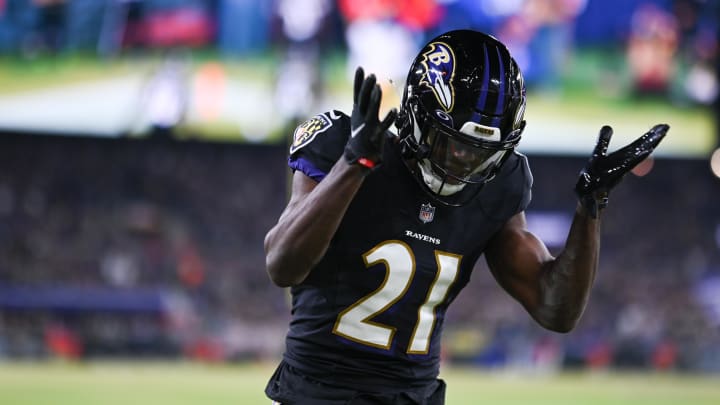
x=460 y=158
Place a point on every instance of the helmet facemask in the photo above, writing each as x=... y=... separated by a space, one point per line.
x=448 y=161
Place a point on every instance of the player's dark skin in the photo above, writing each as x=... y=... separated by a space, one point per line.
x=553 y=289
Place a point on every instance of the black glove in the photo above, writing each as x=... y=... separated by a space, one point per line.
x=367 y=135
x=603 y=171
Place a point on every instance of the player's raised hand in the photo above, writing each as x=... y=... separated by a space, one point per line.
x=603 y=171
x=367 y=135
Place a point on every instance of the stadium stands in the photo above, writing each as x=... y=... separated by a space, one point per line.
x=125 y=247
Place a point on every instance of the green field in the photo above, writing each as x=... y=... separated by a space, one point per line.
x=184 y=383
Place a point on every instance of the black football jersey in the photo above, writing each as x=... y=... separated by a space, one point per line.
x=371 y=312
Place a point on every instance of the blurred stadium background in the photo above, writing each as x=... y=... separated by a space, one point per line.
x=142 y=160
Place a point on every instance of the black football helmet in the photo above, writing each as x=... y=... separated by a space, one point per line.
x=461 y=114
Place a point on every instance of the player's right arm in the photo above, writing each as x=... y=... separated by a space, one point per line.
x=305 y=228
x=303 y=232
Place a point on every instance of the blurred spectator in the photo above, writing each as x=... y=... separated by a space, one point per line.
x=165 y=97
x=62 y=342
x=51 y=25
x=243 y=26
x=651 y=50
x=119 y=268
x=540 y=33
x=382 y=36
x=299 y=83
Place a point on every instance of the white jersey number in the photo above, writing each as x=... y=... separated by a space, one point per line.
x=355 y=323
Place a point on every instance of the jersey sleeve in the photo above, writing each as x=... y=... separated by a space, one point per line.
x=318 y=143
x=510 y=192
x=526 y=182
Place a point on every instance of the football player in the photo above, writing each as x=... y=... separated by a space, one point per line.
x=382 y=231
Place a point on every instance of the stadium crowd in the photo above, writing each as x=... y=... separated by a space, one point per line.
x=122 y=247
x=170 y=225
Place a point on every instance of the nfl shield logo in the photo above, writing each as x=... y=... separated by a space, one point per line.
x=427 y=213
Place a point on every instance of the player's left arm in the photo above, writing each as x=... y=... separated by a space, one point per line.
x=555 y=290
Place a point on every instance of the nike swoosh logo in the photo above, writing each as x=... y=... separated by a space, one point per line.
x=357 y=130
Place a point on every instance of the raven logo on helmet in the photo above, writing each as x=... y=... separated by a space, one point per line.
x=439 y=64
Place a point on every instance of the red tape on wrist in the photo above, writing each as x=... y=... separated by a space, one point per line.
x=366 y=162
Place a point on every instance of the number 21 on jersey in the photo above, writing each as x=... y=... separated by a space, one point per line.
x=355 y=323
